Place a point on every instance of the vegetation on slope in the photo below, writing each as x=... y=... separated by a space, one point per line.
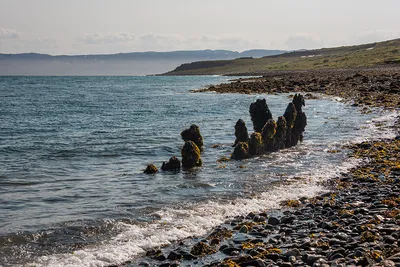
x=367 y=55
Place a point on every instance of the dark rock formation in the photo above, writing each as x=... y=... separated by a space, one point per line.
x=300 y=122
x=172 y=165
x=268 y=133
x=241 y=151
x=260 y=114
x=280 y=136
x=256 y=146
x=190 y=155
x=193 y=134
x=298 y=129
x=241 y=133
x=150 y=169
x=272 y=136
x=290 y=116
x=298 y=101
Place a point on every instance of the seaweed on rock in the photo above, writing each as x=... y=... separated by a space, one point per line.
x=268 y=134
x=256 y=146
x=280 y=136
x=241 y=133
x=190 y=155
x=150 y=169
x=241 y=151
x=193 y=134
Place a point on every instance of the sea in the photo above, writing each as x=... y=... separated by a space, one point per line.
x=73 y=151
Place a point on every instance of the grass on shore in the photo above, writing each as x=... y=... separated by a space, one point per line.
x=367 y=55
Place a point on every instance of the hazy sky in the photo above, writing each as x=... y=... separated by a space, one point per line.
x=102 y=26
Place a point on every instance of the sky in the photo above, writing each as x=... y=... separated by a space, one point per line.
x=113 y=26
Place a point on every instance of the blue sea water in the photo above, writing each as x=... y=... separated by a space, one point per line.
x=73 y=150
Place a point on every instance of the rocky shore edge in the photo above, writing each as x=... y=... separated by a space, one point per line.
x=356 y=224
x=367 y=87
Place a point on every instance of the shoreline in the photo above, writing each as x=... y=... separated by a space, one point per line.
x=368 y=87
x=341 y=228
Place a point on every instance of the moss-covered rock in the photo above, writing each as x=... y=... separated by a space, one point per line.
x=151 y=168
x=241 y=133
x=193 y=134
x=260 y=114
x=202 y=248
x=280 y=136
x=268 y=134
x=241 y=151
x=256 y=146
x=172 y=165
x=190 y=155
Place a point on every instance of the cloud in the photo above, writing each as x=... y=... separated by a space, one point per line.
x=9 y=34
x=175 y=42
x=376 y=36
x=127 y=42
x=107 y=38
x=303 y=41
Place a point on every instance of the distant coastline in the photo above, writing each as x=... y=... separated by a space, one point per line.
x=136 y=63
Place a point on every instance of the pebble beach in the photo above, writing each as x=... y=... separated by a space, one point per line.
x=355 y=223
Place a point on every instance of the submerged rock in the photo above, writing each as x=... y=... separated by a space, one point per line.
x=268 y=134
x=193 y=134
x=260 y=114
x=151 y=168
x=241 y=151
x=172 y=165
x=190 y=155
x=256 y=146
x=241 y=133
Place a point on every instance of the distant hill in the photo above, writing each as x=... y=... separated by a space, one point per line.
x=366 y=55
x=136 y=63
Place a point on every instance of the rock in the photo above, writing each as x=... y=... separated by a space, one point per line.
x=241 y=151
x=193 y=134
x=268 y=133
x=174 y=256
x=292 y=252
x=151 y=169
x=172 y=165
x=395 y=258
x=260 y=114
x=190 y=155
x=230 y=251
x=255 y=263
x=256 y=146
x=273 y=221
x=311 y=258
x=244 y=229
x=287 y=219
x=241 y=133
x=385 y=263
x=290 y=116
x=201 y=248
x=298 y=101
x=300 y=121
x=280 y=135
